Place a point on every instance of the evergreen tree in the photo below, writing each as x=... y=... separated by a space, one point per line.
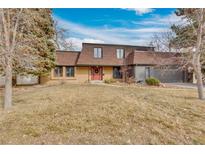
x=190 y=38
x=26 y=44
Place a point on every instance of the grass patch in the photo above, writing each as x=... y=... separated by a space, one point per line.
x=31 y=132
x=103 y=114
x=109 y=81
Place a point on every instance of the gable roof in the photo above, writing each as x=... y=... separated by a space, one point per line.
x=67 y=57
x=136 y=47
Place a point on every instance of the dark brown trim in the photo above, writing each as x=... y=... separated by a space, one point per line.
x=96 y=65
x=68 y=51
x=122 y=45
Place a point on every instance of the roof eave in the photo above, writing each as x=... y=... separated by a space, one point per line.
x=98 y=65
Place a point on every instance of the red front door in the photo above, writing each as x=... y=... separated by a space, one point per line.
x=96 y=72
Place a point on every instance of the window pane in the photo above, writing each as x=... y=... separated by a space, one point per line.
x=120 y=53
x=58 y=71
x=70 y=71
x=123 y=53
x=117 y=74
x=97 y=53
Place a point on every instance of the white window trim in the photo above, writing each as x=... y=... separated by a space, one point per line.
x=97 y=53
x=120 y=53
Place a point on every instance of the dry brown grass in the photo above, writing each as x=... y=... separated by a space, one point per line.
x=95 y=114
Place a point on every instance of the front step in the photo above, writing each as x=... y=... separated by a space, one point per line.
x=96 y=81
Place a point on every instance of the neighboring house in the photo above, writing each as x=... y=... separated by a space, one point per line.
x=106 y=61
x=21 y=80
x=2 y=80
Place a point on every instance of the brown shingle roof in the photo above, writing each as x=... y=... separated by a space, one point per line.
x=153 y=58
x=133 y=55
x=67 y=57
x=109 y=57
x=137 y=47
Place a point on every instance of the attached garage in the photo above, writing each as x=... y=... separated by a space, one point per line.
x=161 y=65
x=169 y=75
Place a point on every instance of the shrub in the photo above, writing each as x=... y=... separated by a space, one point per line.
x=109 y=81
x=152 y=81
x=131 y=80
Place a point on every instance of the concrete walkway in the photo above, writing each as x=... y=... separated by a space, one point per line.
x=96 y=82
x=182 y=85
x=177 y=85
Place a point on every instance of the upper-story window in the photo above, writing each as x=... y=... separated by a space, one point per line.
x=120 y=53
x=97 y=52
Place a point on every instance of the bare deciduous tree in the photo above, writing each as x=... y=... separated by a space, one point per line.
x=8 y=31
x=196 y=54
x=25 y=44
x=161 y=41
x=190 y=39
x=61 y=38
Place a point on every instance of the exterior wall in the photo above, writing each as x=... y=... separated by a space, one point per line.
x=83 y=74
x=107 y=72
x=139 y=72
x=44 y=79
x=80 y=75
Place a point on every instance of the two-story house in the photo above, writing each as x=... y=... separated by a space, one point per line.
x=106 y=61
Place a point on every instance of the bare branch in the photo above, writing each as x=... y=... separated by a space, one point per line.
x=15 y=29
x=61 y=38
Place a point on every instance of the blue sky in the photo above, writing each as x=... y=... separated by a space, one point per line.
x=120 y=26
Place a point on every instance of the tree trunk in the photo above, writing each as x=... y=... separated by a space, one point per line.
x=8 y=88
x=199 y=79
x=200 y=85
x=197 y=55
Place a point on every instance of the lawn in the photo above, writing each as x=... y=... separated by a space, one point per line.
x=98 y=114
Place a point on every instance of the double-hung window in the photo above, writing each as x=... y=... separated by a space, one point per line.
x=97 y=52
x=120 y=53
